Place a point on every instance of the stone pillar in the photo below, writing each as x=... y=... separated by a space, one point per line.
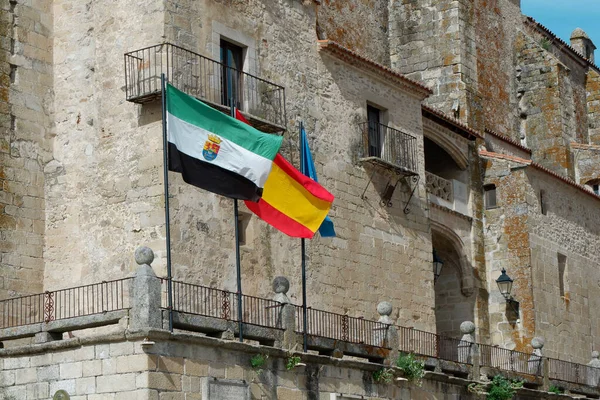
x=535 y=361
x=145 y=293
x=468 y=351
x=387 y=337
x=467 y=328
x=287 y=313
x=593 y=375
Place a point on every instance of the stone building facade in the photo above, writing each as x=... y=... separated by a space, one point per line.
x=494 y=106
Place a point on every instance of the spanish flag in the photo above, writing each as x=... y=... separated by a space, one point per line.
x=291 y=201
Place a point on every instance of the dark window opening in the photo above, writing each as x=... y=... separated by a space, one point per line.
x=374 y=117
x=243 y=221
x=490 y=196
x=543 y=202
x=231 y=74
x=562 y=267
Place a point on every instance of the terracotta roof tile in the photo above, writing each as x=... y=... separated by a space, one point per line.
x=585 y=146
x=451 y=120
x=356 y=59
x=508 y=140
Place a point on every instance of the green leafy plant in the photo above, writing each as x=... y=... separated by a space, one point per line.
x=545 y=44
x=384 y=375
x=499 y=388
x=258 y=361
x=414 y=370
x=292 y=361
x=555 y=389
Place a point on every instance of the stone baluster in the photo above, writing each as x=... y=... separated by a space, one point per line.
x=387 y=337
x=145 y=293
x=287 y=313
x=468 y=351
x=467 y=328
x=534 y=364
x=593 y=376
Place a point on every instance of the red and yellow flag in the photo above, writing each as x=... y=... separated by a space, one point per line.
x=292 y=202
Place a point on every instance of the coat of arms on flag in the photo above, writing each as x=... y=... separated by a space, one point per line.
x=211 y=147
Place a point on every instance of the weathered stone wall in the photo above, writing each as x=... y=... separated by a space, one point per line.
x=507 y=246
x=593 y=105
x=433 y=42
x=570 y=228
x=496 y=25
x=539 y=75
x=103 y=185
x=527 y=242
x=587 y=162
x=358 y=25
x=26 y=129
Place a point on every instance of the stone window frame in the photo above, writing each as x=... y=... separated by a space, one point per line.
x=490 y=192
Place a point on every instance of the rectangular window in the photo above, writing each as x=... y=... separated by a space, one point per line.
x=231 y=74
x=562 y=269
x=243 y=221
x=542 y=202
x=490 y=196
x=375 y=131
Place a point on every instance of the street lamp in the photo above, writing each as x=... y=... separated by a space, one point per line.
x=437 y=266
x=505 y=286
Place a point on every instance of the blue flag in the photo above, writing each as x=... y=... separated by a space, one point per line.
x=308 y=169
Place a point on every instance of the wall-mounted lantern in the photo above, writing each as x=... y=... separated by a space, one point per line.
x=505 y=286
x=438 y=264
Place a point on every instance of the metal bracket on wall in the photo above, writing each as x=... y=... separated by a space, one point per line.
x=415 y=180
x=386 y=197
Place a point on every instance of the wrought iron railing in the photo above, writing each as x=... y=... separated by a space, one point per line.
x=390 y=145
x=201 y=300
x=439 y=187
x=65 y=303
x=427 y=344
x=341 y=327
x=567 y=371
x=509 y=360
x=205 y=79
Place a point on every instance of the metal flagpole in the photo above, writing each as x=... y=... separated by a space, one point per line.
x=238 y=268
x=303 y=249
x=163 y=83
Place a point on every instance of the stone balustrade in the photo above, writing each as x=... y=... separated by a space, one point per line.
x=377 y=341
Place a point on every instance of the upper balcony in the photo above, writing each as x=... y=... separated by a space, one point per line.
x=215 y=83
x=389 y=148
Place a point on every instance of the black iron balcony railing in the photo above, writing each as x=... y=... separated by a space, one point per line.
x=215 y=83
x=395 y=148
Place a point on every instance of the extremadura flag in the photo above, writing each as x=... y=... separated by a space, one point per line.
x=216 y=152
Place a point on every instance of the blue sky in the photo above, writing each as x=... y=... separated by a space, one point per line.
x=563 y=16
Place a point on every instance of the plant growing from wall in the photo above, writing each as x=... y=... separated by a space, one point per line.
x=499 y=388
x=414 y=370
x=258 y=361
x=292 y=362
x=545 y=44
x=384 y=375
x=555 y=389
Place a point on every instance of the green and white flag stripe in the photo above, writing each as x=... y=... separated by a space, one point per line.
x=243 y=150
